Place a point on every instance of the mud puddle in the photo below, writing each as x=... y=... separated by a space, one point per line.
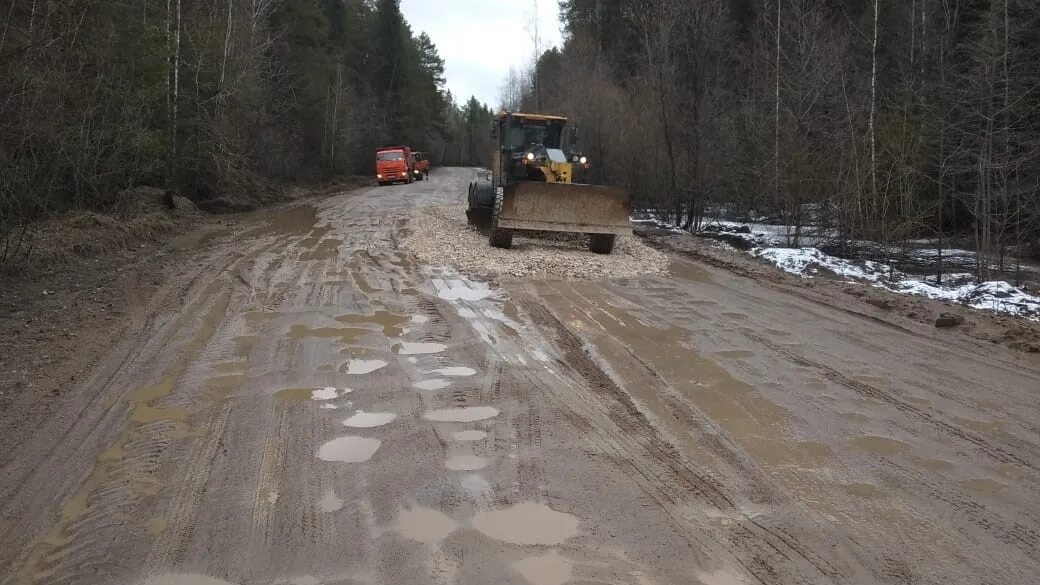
x=527 y=524
x=413 y=348
x=463 y=414
x=317 y=394
x=435 y=384
x=362 y=367
x=392 y=324
x=349 y=449
x=424 y=525
x=461 y=290
x=368 y=420
x=346 y=335
x=457 y=371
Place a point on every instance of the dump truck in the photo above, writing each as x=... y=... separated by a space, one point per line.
x=421 y=165
x=530 y=186
x=394 y=164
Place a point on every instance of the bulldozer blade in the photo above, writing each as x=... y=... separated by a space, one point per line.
x=565 y=207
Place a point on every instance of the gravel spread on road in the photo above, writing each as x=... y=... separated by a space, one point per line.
x=440 y=236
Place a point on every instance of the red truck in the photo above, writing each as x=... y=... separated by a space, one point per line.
x=421 y=165
x=394 y=164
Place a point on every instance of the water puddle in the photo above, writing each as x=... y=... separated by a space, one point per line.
x=434 y=384
x=466 y=463
x=456 y=371
x=463 y=414
x=527 y=524
x=461 y=290
x=325 y=250
x=413 y=360
x=475 y=485
x=471 y=435
x=330 y=503
x=346 y=335
x=548 y=569
x=301 y=394
x=424 y=525
x=881 y=445
x=368 y=420
x=349 y=449
x=391 y=323
x=419 y=319
x=411 y=348
x=361 y=367
x=328 y=407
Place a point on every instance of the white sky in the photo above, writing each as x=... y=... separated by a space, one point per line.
x=480 y=40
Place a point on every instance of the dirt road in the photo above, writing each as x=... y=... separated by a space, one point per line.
x=319 y=409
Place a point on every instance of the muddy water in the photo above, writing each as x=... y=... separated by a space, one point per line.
x=303 y=394
x=527 y=524
x=472 y=435
x=391 y=323
x=456 y=371
x=435 y=384
x=349 y=449
x=346 y=335
x=466 y=463
x=362 y=367
x=410 y=348
x=547 y=569
x=463 y=414
x=424 y=525
x=367 y=420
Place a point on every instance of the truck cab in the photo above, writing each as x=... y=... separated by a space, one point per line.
x=421 y=165
x=394 y=164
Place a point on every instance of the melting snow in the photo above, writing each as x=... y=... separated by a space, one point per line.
x=996 y=296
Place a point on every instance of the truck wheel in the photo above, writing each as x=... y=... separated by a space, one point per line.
x=602 y=243
x=500 y=237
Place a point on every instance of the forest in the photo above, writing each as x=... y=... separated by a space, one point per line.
x=219 y=100
x=886 y=121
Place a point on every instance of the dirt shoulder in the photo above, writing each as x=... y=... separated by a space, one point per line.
x=90 y=280
x=876 y=303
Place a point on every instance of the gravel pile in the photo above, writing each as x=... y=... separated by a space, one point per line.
x=440 y=236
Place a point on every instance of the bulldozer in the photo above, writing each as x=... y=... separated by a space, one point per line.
x=531 y=185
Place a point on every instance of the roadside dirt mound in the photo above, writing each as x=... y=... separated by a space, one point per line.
x=440 y=236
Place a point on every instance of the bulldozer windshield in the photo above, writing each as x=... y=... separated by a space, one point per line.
x=523 y=133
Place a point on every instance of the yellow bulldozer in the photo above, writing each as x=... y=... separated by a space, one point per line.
x=531 y=185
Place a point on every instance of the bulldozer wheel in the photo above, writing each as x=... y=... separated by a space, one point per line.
x=500 y=237
x=602 y=243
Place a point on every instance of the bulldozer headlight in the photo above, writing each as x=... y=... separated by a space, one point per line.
x=530 y=156
x=584 y=160
x=379 y=176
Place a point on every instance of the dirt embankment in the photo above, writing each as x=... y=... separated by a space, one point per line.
x=1014 y=332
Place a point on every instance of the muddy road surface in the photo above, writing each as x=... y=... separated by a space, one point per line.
x=319 y=409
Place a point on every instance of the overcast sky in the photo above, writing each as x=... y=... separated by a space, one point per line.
x=481 y=39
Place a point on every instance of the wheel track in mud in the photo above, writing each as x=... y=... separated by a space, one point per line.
x=996 y=453
x=766 y=550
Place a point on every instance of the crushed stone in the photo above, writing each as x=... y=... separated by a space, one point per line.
x=440 y=236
